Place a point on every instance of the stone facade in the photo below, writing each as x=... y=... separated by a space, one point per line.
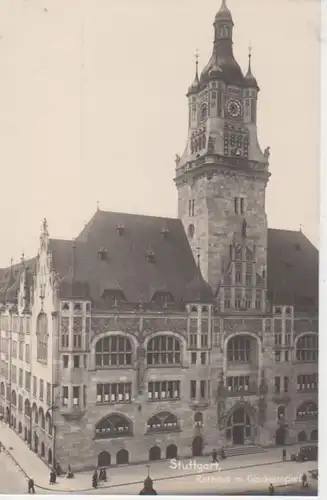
x=88 y=382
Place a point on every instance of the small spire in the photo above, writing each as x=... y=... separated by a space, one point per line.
x=198 y=256
x=98 y=206
x=74 y=259
x=197 y=64
x=301 y=228
x=250 y=55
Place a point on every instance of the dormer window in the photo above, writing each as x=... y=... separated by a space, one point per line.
x=162 y=298
x=103 y=253
x=150 y=256
x=113 y=297
x=164 y=231
x=120 y=229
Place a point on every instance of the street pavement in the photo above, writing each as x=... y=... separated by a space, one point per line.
x=12 y=480
x=184 y=476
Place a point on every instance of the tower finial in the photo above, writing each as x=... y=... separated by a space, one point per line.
x=197 y=63
x=250 y=55
x=98 y=205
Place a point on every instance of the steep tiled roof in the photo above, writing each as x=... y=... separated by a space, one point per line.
x=198 y=290
x=292 y=267
x=140 y=255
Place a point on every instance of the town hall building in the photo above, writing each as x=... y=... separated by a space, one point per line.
x=148 y=337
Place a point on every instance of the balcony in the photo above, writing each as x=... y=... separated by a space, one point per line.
x=199 y=404
x=250 y=390
x=72 y=412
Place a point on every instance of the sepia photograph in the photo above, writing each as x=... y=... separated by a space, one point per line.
x=159 y=259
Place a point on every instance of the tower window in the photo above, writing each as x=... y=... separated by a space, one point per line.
x=242 y=205
x=191 y=230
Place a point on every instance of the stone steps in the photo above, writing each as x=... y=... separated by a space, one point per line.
x=236 y=451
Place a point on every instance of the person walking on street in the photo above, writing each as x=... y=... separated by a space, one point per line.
x=271 y=489
x=215 y=457
x=31 y=488
x=304 y=480
x=95 y=479
x=284 y=455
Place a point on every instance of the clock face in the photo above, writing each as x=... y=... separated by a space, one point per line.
x=234 y=108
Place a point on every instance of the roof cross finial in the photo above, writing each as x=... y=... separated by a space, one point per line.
x=301 y=227
x=98 y=205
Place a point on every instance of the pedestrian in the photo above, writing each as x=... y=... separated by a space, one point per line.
x=58 y=469
x=304 y=480
x=95 y=479
x=148 y=487
x=284 y=455
x=103 y=473
x=31 y=488
x=271 y=489
x=215 y=457
x=70 y=473
x=222 y=453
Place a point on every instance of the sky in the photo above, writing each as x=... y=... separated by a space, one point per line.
x=93 y=108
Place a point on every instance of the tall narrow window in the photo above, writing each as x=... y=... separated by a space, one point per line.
x=236 y=200
x=65 y=395
x=193 y=389
x=76 y=395
x=277 y=385
x=202 y=389
x=242 y=205
x=286 y=384
x=193 y=207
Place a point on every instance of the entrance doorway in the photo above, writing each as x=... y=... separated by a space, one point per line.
x=154 y=453
x=104 y=459
x=238 y=427
x=280 y=436
x=197 y=446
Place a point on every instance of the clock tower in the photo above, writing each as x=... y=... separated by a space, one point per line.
x=222 y=175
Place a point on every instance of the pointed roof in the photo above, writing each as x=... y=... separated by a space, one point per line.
x=198 y=290
x=70 y=286
x=249 y=78
x=224 y=14
x=195 y=85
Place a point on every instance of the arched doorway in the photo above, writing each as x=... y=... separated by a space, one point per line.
x=104 y=459
x=36 y=443
x=154 y=453
x=20 y=428
x=238 y=427
x=25 y=433
x=42 y=450
x=197 y=446
x=280 y=436
x=50 y=457
x=302 y=437
x=122 y=457
x=171 y=451
x=314 y=435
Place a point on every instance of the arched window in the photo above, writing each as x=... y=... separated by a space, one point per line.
x=48 y=422
x=171 y=451
x=163 y=422
x=239 y=349
x=27 y=408
x=13 y=398
x=41 y=418
x=42 y=450
x=198 y=419
x=302 y=437
x=114 y=350
x=2 y=389
x=164 y=350
x=307 y=410
x=122 y=457
x=307 y=348
x=42 y=337
x=238 y=426
x=113 y=425
x=35 y=413
x=104 y=459
x=154 y=453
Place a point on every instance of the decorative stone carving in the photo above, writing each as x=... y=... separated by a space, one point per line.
x=141 y=368
x=128 y=324
x=77 y=324
x=176 y=324
x=102 y=325
x=233 y=325
x=64 y=326
x=267 y=152
x=154 y=324
x=253 y=325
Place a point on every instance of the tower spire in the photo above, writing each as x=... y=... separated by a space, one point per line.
x=197 y=65
x=251 y=81
x=249 y=73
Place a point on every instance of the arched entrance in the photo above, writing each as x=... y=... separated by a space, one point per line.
x=197 y=446
x=122 y=457
x=171 y=451
x=238 y=427
x=50 y=457
x=42 y=450
x=154 y=453
x=104 y=459
x=280 y=436
x=302 y=437
x=314 y=435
